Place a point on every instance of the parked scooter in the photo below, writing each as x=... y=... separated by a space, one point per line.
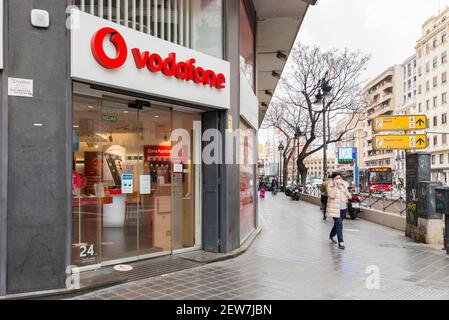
x=288 y=190
x=296 y=193
x=354 y=206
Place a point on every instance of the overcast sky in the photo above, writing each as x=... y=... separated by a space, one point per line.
x=386 y=29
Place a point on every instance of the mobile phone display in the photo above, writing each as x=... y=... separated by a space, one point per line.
x=115 y=167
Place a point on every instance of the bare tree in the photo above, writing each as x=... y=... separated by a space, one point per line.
x=279 y=118
x=294 y=109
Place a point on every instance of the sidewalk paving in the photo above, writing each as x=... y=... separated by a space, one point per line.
x=293 y=259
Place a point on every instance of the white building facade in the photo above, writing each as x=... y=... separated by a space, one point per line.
x=432 y=61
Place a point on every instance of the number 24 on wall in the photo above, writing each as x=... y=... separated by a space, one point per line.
x=87 y=251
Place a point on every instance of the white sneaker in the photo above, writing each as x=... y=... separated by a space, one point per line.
x=342 y=246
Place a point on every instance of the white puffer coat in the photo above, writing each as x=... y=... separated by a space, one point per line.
x=335 y=197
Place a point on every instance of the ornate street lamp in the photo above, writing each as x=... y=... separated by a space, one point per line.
x=400 y=168
x=298 y=134
x=281 y=148
x=324 y=91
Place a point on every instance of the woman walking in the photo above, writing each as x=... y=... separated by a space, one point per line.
x=337 y=206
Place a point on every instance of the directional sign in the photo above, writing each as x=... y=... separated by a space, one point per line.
x=390 y=142
x=400 y=123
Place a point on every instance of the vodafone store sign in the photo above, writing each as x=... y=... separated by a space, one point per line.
x=112 y=55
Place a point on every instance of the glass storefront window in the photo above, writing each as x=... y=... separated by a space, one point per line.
x=86 y=176
x=184 y=191
x=128 y=202
x=207 y=27
x=247 y=180
x=247 y=50
x=196 y=24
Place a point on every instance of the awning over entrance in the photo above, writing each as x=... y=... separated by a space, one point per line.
x=278 y=25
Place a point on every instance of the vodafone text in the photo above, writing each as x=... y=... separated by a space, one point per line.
x=169 y=66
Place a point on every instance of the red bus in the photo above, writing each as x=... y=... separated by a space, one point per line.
x=376 y=180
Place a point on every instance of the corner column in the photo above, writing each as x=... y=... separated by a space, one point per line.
x=38 y=184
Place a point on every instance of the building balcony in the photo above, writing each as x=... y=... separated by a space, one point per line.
x=381 y=85
x=379 y=111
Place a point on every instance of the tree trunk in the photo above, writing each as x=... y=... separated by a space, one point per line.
x=302 y=169
x=285 y=173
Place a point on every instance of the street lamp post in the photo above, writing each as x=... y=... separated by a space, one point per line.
x=294 y=166
x=298 y=134
x=324 y=91
x=281 y=175
x=400 y=166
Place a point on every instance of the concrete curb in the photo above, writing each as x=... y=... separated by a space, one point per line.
x=197 y=256
x=207 y=257
x=62 y=293
x=384 y=218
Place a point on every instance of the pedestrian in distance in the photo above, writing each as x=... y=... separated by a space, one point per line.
x=274 y=186
x=262 y=192
x=337 y=206
x=324 y=197
x=261 y=183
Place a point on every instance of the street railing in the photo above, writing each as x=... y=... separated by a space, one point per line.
x=391 y=202
x=312 y=191
x=385 y=202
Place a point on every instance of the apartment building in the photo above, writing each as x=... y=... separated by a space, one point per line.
x=383 y=95
x=315 y=167
x=410 y=86
x=432 y=61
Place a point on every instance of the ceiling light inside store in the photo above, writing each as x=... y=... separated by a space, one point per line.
x=38 y=124
x=90 y=107
x=103 y=137
x=156 y=116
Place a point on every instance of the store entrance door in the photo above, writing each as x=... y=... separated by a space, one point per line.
x=122 y=188
x=142 y=133
x=119 y=147
x=136 y=192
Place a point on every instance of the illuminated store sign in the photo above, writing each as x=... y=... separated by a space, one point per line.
x=183 y=70
x=114 y=56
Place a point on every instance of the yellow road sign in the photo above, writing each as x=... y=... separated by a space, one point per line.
x=394 y=142
x=400 y=123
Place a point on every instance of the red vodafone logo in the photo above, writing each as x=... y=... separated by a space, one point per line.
x=153 y=62
x=98 y=49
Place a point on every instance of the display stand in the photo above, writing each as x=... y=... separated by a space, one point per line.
x=114 y=213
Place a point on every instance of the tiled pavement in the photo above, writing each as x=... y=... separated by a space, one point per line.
x=293 y=259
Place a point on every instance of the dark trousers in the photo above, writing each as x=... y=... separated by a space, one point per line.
x=324 y=204
x=337 y=230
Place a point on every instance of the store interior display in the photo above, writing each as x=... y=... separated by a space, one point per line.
x=116 y=219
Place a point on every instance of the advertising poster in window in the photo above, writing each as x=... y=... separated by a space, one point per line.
x=157 y=162
x=92 y=166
